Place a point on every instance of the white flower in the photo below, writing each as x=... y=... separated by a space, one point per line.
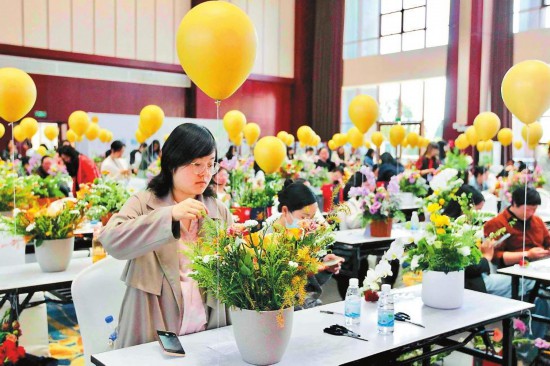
x=30 y=227
x=441 y=181
x=235 y=218
x=321 y=253
x=396 y=250
x=206 y=259
x=270 y=220
x=250 y=223
x=16 y=211
x=293 y=264
x=414 y=261
x=371 y=280
x=465 y=251
x=383 y=268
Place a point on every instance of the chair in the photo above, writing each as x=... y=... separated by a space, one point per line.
x=98 y=292
x=491 y=203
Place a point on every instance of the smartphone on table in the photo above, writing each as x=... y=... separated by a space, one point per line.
x=170 y=343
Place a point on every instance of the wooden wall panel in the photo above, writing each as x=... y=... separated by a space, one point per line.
x=11 y=22
x=271 y=37
x=126 y=29
x=35 y=23
x=83 y=26
x=256 y=14
x=145 y=30
x=165 y=34
x=59 y=25
x=104 y=19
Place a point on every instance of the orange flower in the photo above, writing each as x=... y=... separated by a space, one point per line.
x=497 y=335
x=295 y=233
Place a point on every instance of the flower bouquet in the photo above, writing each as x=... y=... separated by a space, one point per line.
x=292 y=169
x=10 y=183
x=49 y=187
x=316 y=176
x=10 y=352
x=104 y=197
x=411 y=181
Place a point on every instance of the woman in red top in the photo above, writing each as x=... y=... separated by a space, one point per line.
x=428 y=164
x=80 y=167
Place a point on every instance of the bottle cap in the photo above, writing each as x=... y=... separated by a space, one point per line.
x=386 y=288
x=109 y=319
x=354 y=282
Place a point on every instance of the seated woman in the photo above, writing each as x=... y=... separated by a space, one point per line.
x=150 y=231
x=297 y=202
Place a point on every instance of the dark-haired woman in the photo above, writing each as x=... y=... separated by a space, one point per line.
x=151 y=155
x=80 y=167
x=115 y=166
x=297 y=202
x=151 y=231
x=429 y=162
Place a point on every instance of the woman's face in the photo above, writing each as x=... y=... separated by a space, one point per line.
x=66 y=158
x=308 y=212
x=193 y=179
x=222 y=177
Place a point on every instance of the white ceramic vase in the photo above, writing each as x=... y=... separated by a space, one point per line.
x=54 y=255
x=442 y=290
x=260 y=339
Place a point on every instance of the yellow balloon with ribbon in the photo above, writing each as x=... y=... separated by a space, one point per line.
x=413 y=138
x=216 y=44
x=2 y=130
x=518 y=144
x=532 y=133
x=78 y=122
x=51 y=132
x=103 y=135
x=269 y=153
x=363 y=112
x=526 y=90
x=471 y=135
x=41 y=150
x=397 y=134
x=237 y=139
x=92 y=132
x=151 y=118
x=355 y=137
x=505 y=136
x=234 y=122
x=140 y=138
x=71 y=135
x=377 y=138
x=251 y=133
x=17 y=94
x=18 y=134
x=486 y=125
x=332 y=145
x=29 y=126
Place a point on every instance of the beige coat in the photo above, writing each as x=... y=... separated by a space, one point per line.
x=144 y=234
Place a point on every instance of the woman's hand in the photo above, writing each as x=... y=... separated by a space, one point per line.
x=189 y=209
x=488 y=249
x=335 y=268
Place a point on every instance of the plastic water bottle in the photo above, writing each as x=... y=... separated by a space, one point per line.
x=386 y=312
x=353 y=303
x=415 y=222
x=112 y=330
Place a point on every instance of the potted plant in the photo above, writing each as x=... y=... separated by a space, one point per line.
x=47 y=189
x=261 y=276
x=10 y=351
x=411 y=185
x=51 y=230
x=12 y=187
x=105 y=197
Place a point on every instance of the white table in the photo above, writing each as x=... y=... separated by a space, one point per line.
x=538 y=271
x=28 y=279
x=310 y=346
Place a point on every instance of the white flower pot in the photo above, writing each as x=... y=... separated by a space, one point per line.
x=406 y=199
x=54 y=255
x=442 y=290
x=260 y=338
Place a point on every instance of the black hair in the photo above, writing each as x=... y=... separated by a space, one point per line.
x=441 y=145
x=521 y=166
x=117 y=145
x=479 y=170
x=229 y=154
x=321 y=149
x=72 y=167
x=186 y=143
x=518 y=197
x=370 y=153
x=339 y=169
x=375 y=167
x=431 y=146
x=25 y=160
x=295 y=196
x=309 y=148
x=387 y=158
x=44 y=158
x=143 y=144
x=453 y=208
x=355 y=181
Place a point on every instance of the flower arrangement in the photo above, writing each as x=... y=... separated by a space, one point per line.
x=103 y=196
x=57 y=221
x=292 y=169
x=316 y=176
x=445 y=184
x=259 y=192
x=48 y=187
x=263 y=271
x=379 y=204
x=10 y=352
x=9 y=183
x=457 y=160
x=411 y=181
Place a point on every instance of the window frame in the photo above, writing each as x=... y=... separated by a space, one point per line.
x=402 y=31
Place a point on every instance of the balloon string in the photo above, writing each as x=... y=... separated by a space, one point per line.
x=524 y=218
x=13 y=172
x=218 y=104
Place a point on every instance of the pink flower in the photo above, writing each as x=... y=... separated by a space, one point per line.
x=519 y=325
x=237 y=230
x=541 y=343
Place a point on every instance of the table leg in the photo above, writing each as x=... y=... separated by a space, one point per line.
x=355 y=262
x=515 y=287
x=507 y=348
x=426 y=361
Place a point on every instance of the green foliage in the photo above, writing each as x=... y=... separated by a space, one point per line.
x=456 y=160
x=106 y=193
x=46 y=187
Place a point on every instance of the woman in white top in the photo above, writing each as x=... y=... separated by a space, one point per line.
x=115 y=166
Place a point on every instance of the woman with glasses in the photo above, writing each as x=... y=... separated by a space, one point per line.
x=150 y=231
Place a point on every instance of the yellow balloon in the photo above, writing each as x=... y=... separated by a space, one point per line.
x=51 y=132
x=95 y=119
x=505 y=136
x=78 y=122
x=489 y=145
x=140 y=138
x=282 y=135
x=363 y=112
x=251 y=133
x=103 y=135
x=461 y=142
x=316 y=140
x=480 y=146
x=237 y=139
x=17 y=94
x=302 y=145
x=397 y=134
x=355 y=137
x=526 y=90
x=518 y=144
x=532 y=133
x=2 y=130
x=234 y=122
x=304 y=133
x=269 y=153
x=368 y=144
x=405 y=142
x=92 y=132
x=424 y=142
x=29 y=126
x=340 y=139
x=18 y=134
x=377 y=138
x=332 y=145
x=486 y=125
x=413 y=138
x=41 y=150
x=471 y=135
x=216 y=44
x=151 y=118
x=289 y=140
x=71 y=135
x=110 y=136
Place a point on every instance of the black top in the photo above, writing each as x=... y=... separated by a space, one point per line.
x=326 y=164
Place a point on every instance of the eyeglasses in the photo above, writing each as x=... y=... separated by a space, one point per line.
x=210 y=168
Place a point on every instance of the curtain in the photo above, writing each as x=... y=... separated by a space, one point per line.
x=452 y=72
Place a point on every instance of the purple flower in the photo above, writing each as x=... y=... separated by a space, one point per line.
x=376 y=206
x=541 y=343
x=358 y=191
x=393 y=185
x=519 y=325
x=369 y=175
x=229 y=164
x=411 y=179
x=372 y=210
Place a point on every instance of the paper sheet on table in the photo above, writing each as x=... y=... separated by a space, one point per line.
x=225 y=348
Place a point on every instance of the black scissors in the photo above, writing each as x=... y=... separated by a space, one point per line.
x=404 y=317
x=339 y=330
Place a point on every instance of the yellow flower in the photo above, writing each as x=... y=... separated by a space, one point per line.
x=440 y=231
x=433 y=207
x=440 y=220
x=436 y=192
x=441 y=201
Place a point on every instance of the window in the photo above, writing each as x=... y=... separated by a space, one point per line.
x=387 y=26
x=531 y=14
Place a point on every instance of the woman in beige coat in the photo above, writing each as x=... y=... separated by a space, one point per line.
x=151 y=231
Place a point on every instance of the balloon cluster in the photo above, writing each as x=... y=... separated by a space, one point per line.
x=151 y=118
x=17 y=97
x=307 y=137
